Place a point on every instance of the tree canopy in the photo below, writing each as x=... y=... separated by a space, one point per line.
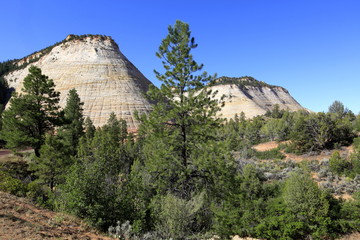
x=32 y=113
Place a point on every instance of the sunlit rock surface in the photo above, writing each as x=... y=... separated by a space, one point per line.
x=104 y=78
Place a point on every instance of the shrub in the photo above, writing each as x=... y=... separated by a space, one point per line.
x=337 y=164
x=11 y=185
x=41 y=195
x=174 y=216
x=270 y=154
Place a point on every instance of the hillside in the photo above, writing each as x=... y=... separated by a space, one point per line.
x=20 y=219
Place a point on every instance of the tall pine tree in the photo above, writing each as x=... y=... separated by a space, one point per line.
x=181 y=156
x=73 y=128
x=32 y=113
x=180 y=149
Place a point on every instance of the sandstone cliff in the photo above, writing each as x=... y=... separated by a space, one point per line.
x=252 y=97
x=104 y=78
x=107 y=81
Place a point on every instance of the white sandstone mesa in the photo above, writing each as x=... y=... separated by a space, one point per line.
x=106 y=81
x=104 y=78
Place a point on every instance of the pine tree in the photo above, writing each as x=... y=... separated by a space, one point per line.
x=73 y=127
x=32 y=113
x=4 y=88
x=89 y=128
x=181 y=154
x=96 y=182
x=337 y=108
x=180 y=134
x=84 y=148
x=52 y=163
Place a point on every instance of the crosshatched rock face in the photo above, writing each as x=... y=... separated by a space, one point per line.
x=104 y=78
x=107 y=81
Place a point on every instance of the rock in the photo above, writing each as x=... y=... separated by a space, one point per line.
x=268 y=175
x=253 y=99
x=107 y=81
x=104 y=78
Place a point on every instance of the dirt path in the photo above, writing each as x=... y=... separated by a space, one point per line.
x=266 y=146
x=20 y=219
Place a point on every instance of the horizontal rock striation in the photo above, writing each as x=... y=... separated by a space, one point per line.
x=104 y=78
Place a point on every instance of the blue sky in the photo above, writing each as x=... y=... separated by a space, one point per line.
x=310 y=47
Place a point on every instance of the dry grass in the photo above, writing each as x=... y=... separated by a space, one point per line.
x=352 y=236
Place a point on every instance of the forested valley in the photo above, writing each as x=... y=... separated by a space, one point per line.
x=186 y=173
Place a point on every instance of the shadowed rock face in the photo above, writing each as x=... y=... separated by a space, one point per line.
x=104 y=78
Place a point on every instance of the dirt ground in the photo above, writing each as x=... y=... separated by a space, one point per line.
x=20 y=219
x=271 y=145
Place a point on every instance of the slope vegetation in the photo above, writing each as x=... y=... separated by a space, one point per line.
x=21 y=219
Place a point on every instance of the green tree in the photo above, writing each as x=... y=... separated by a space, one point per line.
x=357 y=123
x=180 y=153
x=337 y=164
x=350 y=214
x=96 y=185
x=84 y=148
x=338 y=109
x=89 y=128
x=94 y=192
x=4 y=88
x=317 y=131
x=4 y=92
x=307 y=204
x=52 y=163
x=252 y=130
x=181 y=127
x=73 y=127
x=108 y=145
x=243 y=208
x=117 y=128
x=275 y=129
x=32 y=113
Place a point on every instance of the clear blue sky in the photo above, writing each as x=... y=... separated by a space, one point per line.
x=310 y=47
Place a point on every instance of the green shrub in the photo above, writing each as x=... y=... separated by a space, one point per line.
x=11 y=185
x=337 y=164
x=41 y=195
x=270 y=154
x=174 y=216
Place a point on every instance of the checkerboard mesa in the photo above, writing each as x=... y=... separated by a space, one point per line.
x=104 y=78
